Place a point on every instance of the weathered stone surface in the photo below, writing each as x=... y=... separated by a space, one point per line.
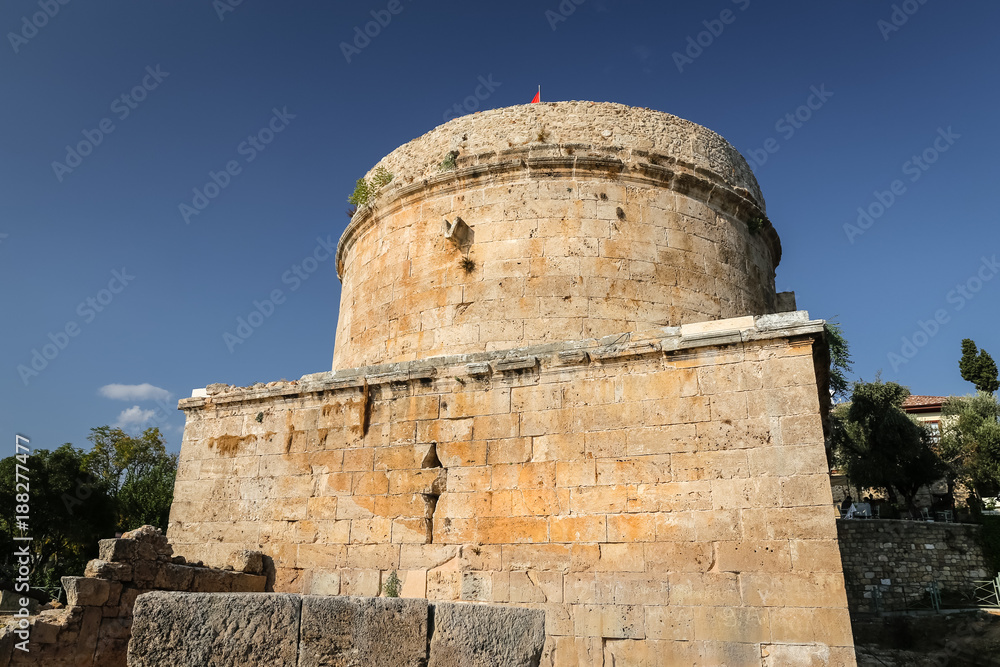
x=614 y=424
x=562 y=247
x=363 y=632
x=249 y=561
x=198 y=629
x=118 y=550
x=470 y=635
x=86 y=591
x=105 y=570
x=150 y=542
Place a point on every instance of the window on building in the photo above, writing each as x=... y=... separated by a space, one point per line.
x=934 y=428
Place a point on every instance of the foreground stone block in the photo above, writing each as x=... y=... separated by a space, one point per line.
x=363 y=632
x=470 y=635
x=85 y=591
x=199 y=629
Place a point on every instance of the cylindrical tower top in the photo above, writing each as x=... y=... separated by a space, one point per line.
x=549 y=222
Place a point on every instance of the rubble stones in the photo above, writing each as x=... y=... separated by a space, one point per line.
x=94 y=629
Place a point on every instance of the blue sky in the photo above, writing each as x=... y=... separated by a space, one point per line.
x=200 y=77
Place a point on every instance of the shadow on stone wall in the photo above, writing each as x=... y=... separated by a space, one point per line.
x=95 y=626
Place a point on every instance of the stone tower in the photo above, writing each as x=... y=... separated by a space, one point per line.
x=587 y=220
x=562 y=379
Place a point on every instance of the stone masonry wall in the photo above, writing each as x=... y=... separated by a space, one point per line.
x=561 y=253
x=902 y=557
x=586 y=220
x=664 y=501
x=94 y=628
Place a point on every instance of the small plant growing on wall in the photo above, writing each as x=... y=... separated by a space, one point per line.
x=392 y=586
x=366 y=191
x=468 y=264
x=380 y=178
x=449 y=161
x=755 y=224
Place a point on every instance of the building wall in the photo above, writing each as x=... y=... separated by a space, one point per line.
x=577 y=232
x=901 y=558
x=664 y=501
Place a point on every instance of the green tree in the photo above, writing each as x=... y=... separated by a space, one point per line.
x=840 y=359
x=880 y=446
x=138 y=473
x=970 y=442
x=69 y=511
x=978 y=367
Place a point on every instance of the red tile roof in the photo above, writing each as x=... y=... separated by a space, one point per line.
x=916 y=402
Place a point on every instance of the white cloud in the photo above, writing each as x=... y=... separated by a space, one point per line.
x=134 y=392
x=134 y=416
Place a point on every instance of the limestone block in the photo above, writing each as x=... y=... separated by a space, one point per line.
x=145 y=572
x=112 y=642
x=700 y=589
x=118 y=551
x=539 y=557
x=249 y=561
x=801 y=625
x=670 y=622
x=360 y=582
x=363 y=632
x=211 y=581
x=248 y=583
x=578 y=529
x=151 y=542
x=428 y=480
x=101 y=569
x=467 y=635
x=610 y=621
x=197 y=629
x=86 y=591
x=761 y=556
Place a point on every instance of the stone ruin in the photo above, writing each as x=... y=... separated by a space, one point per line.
x=562 y=380
x=94 y=627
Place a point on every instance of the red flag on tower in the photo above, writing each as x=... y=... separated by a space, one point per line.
x=538 y=96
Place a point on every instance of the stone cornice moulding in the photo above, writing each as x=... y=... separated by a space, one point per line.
x=650 y=169
x=539 y=359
